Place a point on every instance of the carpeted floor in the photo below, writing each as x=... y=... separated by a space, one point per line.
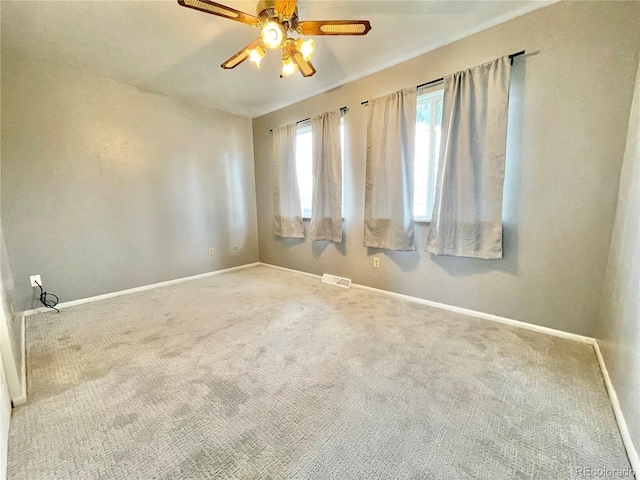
x=263 y=374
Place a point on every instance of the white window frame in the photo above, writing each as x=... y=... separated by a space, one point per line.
x=433 y=96
x=305 y=128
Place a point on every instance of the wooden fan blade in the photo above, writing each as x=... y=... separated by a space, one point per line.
x=220 y=10
x=334 y=27
x=305 y=67
x=286 y=8
x=241 y=56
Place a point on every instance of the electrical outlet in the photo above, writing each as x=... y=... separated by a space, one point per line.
x=34 y=279
x=376 y=262
x=211 y=251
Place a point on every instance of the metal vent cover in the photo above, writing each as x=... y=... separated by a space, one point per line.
x=335 y=280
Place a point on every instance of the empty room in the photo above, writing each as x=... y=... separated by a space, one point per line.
x=319 y=239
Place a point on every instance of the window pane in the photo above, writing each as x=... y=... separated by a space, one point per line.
x=422 y=160
x=428 y=121
x=304 y=168
x=342 y=160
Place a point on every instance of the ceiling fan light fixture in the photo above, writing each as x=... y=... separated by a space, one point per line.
x=256 y=55
x=306 y=47
x=276 y=19
x=273 y=34
x=288 y=66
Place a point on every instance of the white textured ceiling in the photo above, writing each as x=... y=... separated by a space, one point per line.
x=163 y=47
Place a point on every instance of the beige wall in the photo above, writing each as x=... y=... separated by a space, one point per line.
x=107 y=187
x=619 y=332
x=569 y=110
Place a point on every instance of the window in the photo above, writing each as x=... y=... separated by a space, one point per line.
x=304 y=167
x=428 y=125
x=304 y=164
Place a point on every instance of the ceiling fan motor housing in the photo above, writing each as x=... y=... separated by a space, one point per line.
x=266 y=11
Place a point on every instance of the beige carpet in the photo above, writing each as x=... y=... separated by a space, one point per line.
x=265 y=374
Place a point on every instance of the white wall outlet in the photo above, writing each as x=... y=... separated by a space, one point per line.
x=211 y=251
x=34 y=279
x=376 y=262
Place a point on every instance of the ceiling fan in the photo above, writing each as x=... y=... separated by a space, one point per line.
x=276 y=19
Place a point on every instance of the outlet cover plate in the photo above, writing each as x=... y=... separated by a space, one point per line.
x=34 y=279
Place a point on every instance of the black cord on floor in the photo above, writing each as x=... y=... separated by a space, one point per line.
x=45 y=301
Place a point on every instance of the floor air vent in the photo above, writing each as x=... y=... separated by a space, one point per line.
x=337 y=281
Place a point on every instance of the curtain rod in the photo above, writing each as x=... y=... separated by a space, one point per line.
x=343 y=110
x=438 y=80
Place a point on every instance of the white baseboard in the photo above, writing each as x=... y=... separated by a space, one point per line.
x=80 y=301
x=22 y=398
x=5 y=422
x=622 y=425
x=452 y=308
x=485 y=316
x=632 y=453
x=291 y=270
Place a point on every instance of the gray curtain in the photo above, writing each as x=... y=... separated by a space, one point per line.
x=467 y=211
x=388 y=207
x=326 y=205
x=287 y=213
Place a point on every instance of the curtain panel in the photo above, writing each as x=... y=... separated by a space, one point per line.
x=326 y=205
x=467 y=212
x=287 y=212
x=388 y=208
